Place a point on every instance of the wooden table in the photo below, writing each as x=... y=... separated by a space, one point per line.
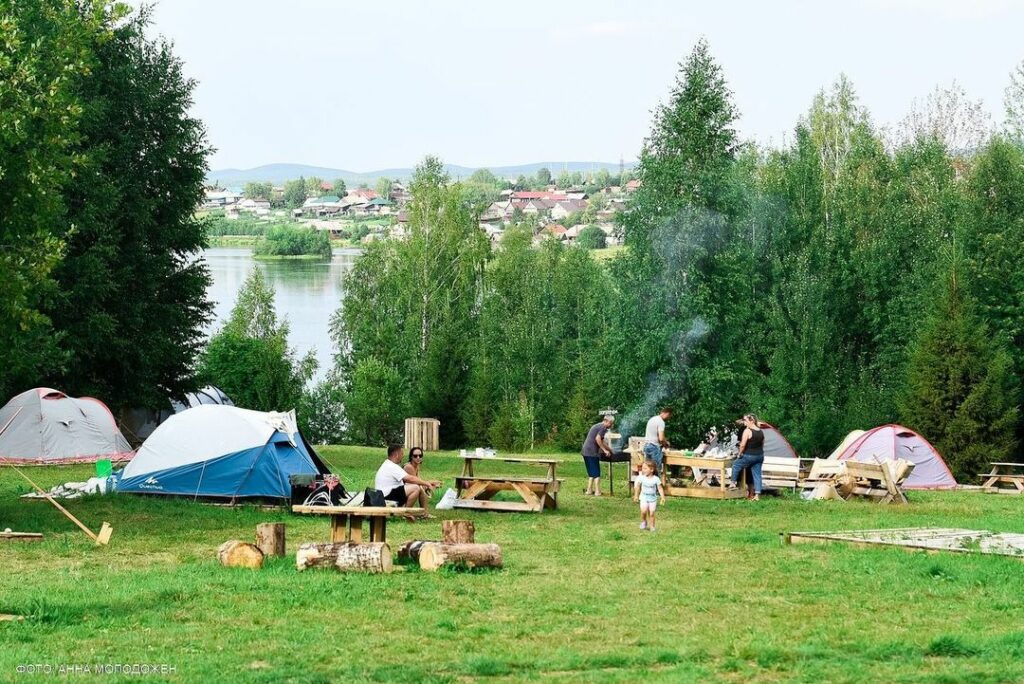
x=347 y=521
x=700 y=487
x=1005 y=477
x=537 y=493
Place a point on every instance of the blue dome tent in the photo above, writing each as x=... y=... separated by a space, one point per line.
x=221 y=451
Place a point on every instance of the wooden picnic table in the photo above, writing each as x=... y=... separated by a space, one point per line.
x=537 y=492
x=701 y=486
x=347 y=521
x=1005 y=475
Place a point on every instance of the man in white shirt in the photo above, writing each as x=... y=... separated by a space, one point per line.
x=654 y=437
x=399 y=486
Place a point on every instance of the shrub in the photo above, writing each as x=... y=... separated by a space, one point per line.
x=291 y=240
x=592 y=237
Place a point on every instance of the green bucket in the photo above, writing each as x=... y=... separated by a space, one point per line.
x=104 y=468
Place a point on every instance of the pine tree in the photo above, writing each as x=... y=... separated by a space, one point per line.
x=687 y=271
x=961 y=393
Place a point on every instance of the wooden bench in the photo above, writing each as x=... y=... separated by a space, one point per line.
x=1005 y=478
x=536 y=493
x=869 y=480
x=780 y=472
x=347 y=521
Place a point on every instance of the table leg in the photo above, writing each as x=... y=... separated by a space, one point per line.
x=611 y=479
x=356 y=529
x=378 y=528
x=338 y=524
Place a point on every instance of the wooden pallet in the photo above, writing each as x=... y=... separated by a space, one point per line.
x=21 y=536
x=928 y=539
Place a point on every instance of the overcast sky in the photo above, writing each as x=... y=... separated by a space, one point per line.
x=370 y=85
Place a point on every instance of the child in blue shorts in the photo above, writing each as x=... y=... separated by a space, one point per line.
x=646 y=490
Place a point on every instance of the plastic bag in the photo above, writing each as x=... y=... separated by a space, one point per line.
x=447 y=501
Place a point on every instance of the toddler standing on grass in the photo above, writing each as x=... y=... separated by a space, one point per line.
x=647 y=490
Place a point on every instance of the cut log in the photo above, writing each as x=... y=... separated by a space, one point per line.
x=372 y=557
x=270 y=538
x=458 y=531
x=317 y=555
x=238 y=554
x=434 y=556
x=410 y=550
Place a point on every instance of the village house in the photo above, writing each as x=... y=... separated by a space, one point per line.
x=566 y=208
x=327 y=205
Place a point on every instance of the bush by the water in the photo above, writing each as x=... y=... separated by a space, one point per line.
x=290 y=240
x=218 y=225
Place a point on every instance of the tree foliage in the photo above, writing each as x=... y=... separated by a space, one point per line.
x=249 y=357
x=961 y=390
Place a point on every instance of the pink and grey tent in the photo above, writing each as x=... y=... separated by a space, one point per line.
x=890 y=442
x=775 y=443
x=45 y=427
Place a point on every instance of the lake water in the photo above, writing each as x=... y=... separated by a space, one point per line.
x=307 y=292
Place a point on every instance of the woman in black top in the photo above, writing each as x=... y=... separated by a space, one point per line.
x=751 y=454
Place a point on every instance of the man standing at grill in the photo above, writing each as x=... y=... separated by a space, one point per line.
x=654 y=437
x=593 y=446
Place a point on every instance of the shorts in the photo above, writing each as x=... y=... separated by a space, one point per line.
x=593 y=464
x=648 y=506
x=397 y=495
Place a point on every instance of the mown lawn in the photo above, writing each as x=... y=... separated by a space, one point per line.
x=584 y=596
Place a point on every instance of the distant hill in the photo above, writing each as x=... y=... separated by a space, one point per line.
x=279 y=173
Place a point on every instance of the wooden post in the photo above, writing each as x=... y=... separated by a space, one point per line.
x=238 y=554
x=458 y=531
x=270 y=538
x=434 y=556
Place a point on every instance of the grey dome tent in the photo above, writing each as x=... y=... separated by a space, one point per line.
x=45 y=427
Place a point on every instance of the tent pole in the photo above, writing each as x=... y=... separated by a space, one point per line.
x=47 y=494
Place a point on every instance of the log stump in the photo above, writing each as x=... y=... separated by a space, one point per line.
x=344 y=556
x=434 y=556
x=239 y=554
x=458 y=531
x=317 y=555
x=270 y=538
x=372 y=557
x=410 y=550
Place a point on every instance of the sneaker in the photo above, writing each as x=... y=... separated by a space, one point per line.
x=651 y=530
x=643 y=526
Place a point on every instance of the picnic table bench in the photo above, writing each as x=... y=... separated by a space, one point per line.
x=700 y=486
x=1005 y=478
x=537 y=492
x=347 y=521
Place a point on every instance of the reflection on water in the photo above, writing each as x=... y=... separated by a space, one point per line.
x=307 y=292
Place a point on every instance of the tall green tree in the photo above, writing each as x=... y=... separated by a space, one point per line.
x=383 y=188
x=995 y=243
x=295 y=193
x=249 y=357
x=45 y=54
x=543 y=176
x=961 y=390
x=258 y=191
x=686 y=273
x=537 y=370
x=132 y=294
x=412 y=304
x=339 y=188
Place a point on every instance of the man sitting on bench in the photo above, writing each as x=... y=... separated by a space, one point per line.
x=399 y=486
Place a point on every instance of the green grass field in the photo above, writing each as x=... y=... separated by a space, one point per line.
x=584 y=595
